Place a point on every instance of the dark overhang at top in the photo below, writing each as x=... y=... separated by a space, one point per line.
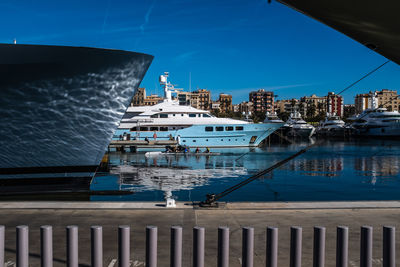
x=375 y=24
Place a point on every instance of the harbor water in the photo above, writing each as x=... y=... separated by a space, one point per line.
x=334 y=170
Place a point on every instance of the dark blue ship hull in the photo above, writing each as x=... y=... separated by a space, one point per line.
x=59 y=106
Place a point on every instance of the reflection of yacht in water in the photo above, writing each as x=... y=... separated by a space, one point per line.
x=295 y=126
x=190 y=126
x=331 y=126
x=60 y=107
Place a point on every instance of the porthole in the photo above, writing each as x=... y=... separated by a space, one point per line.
x=184 y=141
x=194 y=141
x=222 y=139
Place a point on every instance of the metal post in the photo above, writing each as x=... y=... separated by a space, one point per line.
x=176 y=246
x=272 y=247
x=247 y=247
x=123 y=245
x=319 y=247
x=223 y=246
x=342 y=246
x=96 y=233
x=389 y=246
x=198 y=246
x=46 y=245
x=295 y=246
x=72 y=246
x=22 y=246
x=2 y=245
x=366 y=246
x=151 y=246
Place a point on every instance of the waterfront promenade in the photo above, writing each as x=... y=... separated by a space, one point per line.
x=234 y=215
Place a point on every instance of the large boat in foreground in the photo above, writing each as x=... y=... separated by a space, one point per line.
x=190 y=126
x=60 y=106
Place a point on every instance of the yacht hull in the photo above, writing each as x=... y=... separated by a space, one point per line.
x=61 y=105
x=385 y=131
x=196 y=136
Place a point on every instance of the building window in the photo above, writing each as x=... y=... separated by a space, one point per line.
x=209 y=129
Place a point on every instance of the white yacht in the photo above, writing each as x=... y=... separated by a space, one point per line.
x=377 y=122
x=295 y=126
x=272 y=118
x=331 y=126
x=189 y=126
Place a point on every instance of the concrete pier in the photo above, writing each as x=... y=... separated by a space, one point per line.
x=138 y=215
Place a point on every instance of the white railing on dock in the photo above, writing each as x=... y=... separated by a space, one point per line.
x=271 y=249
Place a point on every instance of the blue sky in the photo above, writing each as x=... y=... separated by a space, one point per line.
x=226 y=46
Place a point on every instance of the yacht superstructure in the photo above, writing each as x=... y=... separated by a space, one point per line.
x=295 y=126
x=331 y=126
x=272 y=118
x=189 y=126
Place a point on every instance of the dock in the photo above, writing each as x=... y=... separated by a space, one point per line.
x=133 y=145
x=236 y=215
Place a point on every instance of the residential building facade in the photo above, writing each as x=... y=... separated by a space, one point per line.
x=225 y=103
x=334 y=104
x=204 y=99
x=138 y=97
x=262 y=100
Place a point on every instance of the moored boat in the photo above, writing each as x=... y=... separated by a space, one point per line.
x=190 y=126
x=60 y=107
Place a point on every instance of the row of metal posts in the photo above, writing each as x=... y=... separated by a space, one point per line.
x=22 y=259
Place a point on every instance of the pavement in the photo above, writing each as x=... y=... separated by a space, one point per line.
x=234 y=215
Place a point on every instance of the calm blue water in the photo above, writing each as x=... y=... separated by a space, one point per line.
x=334 y=170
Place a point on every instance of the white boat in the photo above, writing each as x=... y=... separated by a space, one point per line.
x=189 y=126
x=272 y=118
x=377 y=122
x=295 y=126
x=331 y=126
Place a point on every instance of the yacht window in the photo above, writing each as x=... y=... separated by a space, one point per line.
x=198 y=115
x=144 y=129
x=181 y=115
x=163 y=115
x=239 y=128
x=164 y=129
x=219 y=128
x=194 y=141
x=133 y=129
x=192 y=115
x=206 y=116
x=153 y=128
x=209 y=129
x=154 y=116
x=173 y=115
x=229 y=128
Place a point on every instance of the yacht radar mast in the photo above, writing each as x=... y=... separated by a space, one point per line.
x=168 y=87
